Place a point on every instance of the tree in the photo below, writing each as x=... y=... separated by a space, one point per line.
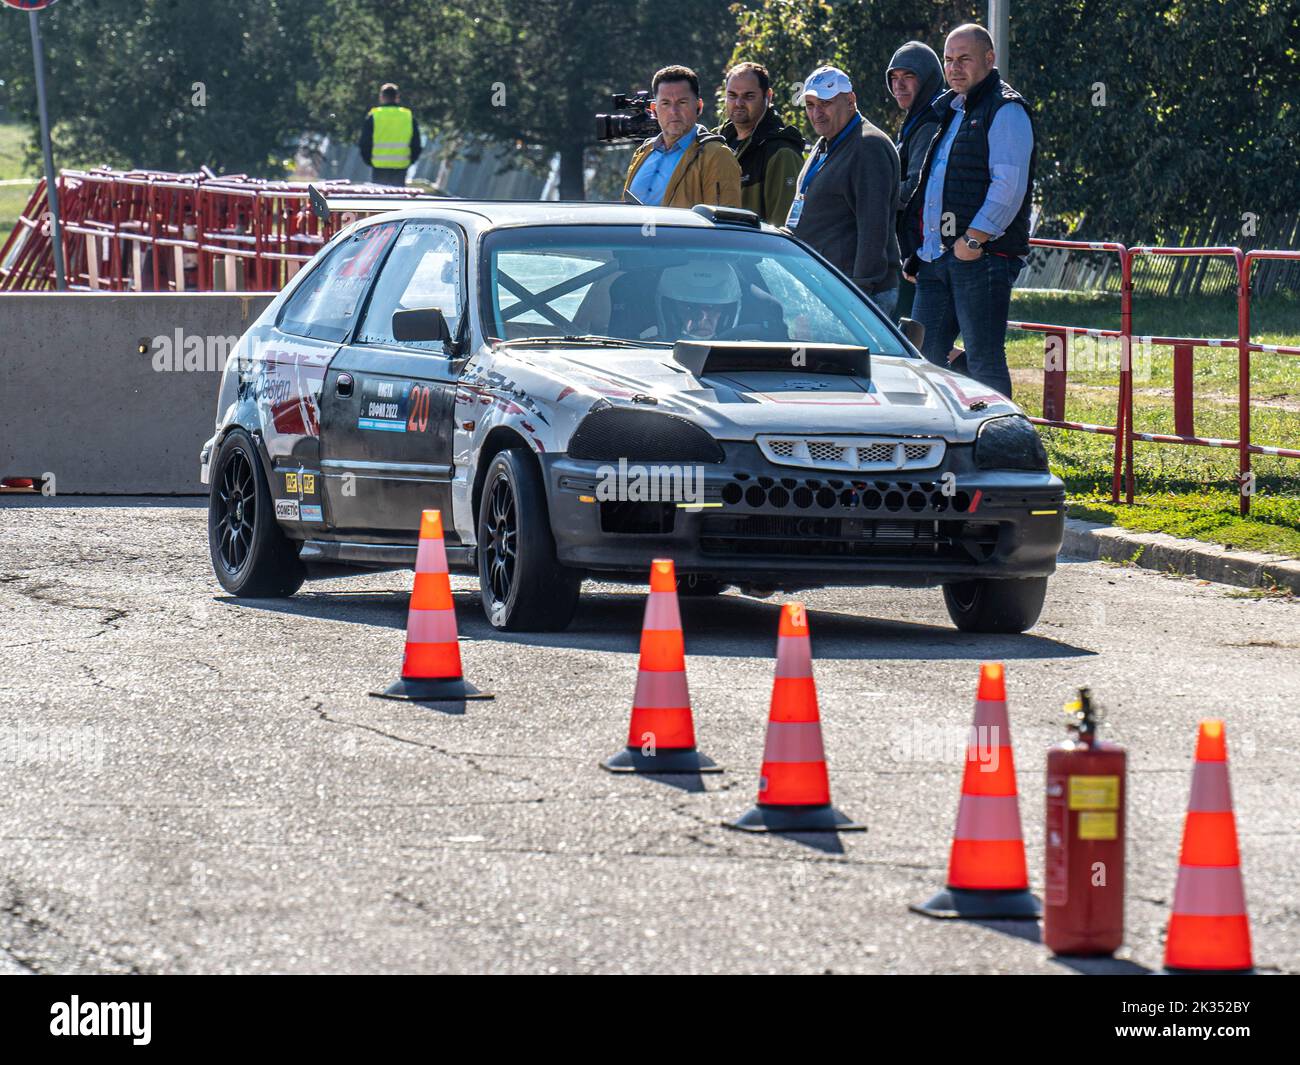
x=166 y=84
x=530 y=73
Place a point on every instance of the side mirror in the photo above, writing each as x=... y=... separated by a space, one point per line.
x=914 y=331
x=420 y=323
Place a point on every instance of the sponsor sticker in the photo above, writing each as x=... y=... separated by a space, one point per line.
x=311 y=512
x=384 y=405
x=286 y=509
x=298 y=481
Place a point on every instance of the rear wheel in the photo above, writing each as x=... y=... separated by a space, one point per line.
x=988 y=605
x=251 y=556
x=523 y=586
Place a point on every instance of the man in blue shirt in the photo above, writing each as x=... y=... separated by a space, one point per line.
x=969 y=213
x=685 y=164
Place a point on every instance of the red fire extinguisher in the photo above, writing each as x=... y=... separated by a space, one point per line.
x=1083 y=904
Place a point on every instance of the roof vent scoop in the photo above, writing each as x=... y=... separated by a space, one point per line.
x=703 y=358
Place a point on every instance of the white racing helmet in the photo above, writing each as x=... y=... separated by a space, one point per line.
x=697 y=301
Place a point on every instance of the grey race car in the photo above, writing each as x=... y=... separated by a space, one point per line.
x=580 y=388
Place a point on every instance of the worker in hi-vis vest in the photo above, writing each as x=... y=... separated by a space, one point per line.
x=390 y=139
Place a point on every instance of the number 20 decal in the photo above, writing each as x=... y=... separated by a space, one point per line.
x=419 y=419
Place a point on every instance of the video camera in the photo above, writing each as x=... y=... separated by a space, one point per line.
x=634 y=121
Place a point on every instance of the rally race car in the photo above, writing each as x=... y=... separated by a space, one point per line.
x=580 y=388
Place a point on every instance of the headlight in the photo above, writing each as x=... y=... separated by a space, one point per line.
x=615 y=433
x=1009 y=443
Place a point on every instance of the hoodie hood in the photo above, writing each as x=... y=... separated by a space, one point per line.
x=920 y=59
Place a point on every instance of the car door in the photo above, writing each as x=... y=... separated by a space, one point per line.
x=387 y=405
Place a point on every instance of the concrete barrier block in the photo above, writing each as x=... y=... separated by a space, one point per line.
x=81 y=400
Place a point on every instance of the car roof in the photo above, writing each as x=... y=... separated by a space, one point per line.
x=551 y=212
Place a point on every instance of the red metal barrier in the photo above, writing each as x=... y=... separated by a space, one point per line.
x=1183 y=354
x=1056 y=345
x=143 y=230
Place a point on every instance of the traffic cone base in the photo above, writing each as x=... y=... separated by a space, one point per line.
x=631 y=760
x=447 y=689
x=794 y=819
x=970 y=903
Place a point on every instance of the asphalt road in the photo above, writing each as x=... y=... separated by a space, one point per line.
x=199 y=784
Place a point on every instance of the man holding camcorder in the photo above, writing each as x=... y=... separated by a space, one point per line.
x=685 y=164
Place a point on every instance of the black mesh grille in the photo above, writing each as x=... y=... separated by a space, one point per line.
x=816 y=537
x=642 y=436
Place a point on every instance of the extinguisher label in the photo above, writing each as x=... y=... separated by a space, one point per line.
x=1094 y=793
x=1098 y=824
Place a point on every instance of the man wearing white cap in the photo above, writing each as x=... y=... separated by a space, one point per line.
x=846 y=198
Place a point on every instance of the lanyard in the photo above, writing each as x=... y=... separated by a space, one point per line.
x=821 y=159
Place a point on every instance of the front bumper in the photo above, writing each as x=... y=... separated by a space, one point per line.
x=749 y=521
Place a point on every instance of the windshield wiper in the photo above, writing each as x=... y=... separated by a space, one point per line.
x=585 y=338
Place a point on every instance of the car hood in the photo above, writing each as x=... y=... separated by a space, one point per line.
x=904 y=395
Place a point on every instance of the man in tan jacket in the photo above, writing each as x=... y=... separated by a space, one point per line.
x=685 y=164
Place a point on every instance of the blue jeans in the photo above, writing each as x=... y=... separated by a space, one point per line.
x=973 y=299
x=887 y=301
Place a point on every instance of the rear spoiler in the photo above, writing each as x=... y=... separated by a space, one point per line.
x=323 y=205
x=704 y=357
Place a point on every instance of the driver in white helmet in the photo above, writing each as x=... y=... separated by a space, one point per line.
x=697 y=301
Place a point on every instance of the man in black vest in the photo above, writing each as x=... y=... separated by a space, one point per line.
x=770 y=154
x=969 y=212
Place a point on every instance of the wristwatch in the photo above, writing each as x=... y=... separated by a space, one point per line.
x=972 y=243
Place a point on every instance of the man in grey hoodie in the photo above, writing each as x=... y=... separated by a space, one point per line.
x=846 y=197
x=914 y=78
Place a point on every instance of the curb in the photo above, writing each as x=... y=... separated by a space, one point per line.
x=1093 y=541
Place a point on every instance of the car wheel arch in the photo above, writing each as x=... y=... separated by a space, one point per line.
x=501 y=438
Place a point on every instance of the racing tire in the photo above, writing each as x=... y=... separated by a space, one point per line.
x=521 y=583
x=988 y=605
x=251 y=556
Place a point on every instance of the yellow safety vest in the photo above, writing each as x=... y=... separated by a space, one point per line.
x=392 y=144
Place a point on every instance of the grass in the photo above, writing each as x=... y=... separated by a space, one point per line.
x=14 y=140
x=1183 y=491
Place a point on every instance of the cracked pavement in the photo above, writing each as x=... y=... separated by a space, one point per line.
x=200 y=784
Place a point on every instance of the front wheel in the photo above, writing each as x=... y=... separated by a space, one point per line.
x=522 y=584
x=251 y=556
x=988 y=605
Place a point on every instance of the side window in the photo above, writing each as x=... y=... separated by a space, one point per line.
x=423 y=271
x=325 y=304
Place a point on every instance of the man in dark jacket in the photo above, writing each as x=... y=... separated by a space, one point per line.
x=970 y=210
x=769 y=153
x=846 y=198
x=914 y=79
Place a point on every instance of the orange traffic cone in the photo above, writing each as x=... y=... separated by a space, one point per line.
x=1209 y=931
x=794 y=793
x=987 y=876
x=661 y=735
x=431 y=666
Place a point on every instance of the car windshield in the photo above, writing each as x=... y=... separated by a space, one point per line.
x=661 y=284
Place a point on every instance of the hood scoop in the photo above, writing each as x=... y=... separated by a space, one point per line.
x=704 y=358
